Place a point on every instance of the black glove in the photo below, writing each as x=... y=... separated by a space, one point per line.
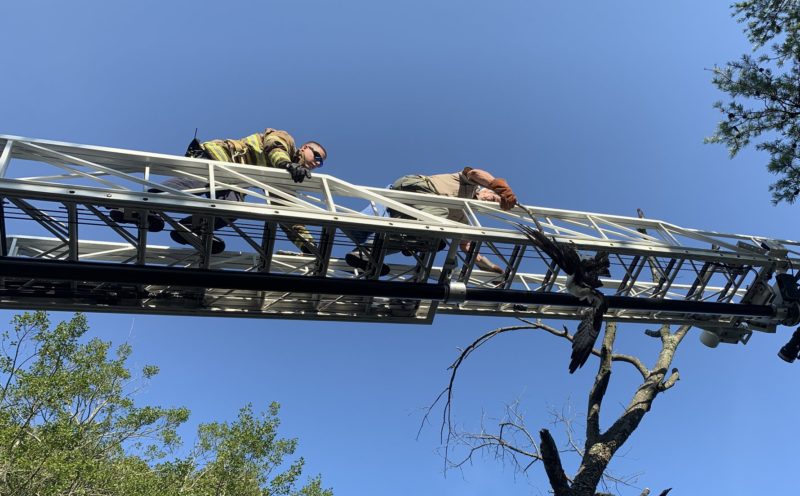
x=195 y=150
x=298 y=172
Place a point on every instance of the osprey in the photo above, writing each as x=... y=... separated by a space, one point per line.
x=583 y=279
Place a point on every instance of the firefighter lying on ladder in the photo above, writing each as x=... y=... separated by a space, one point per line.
x=272 y=148
x=467 y=183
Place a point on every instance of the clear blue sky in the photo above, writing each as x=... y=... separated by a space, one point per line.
x=598 y=106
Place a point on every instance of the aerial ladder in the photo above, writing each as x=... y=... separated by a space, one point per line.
x=60 y=250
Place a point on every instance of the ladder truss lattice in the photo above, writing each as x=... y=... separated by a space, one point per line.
x=56 y=199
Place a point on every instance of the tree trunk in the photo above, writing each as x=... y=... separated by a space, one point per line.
x=601 y=447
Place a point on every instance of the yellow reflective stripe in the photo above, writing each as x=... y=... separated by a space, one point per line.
x=278 y=156
x=268 y=150
x=217 y=151
x=278 y=149
x=254 y=144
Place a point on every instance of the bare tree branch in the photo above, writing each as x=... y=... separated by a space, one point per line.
x=552 y=464
x=506 y=443
x=566 y=335
x=447 y=424
x=671 y=380
x=512 y=442
x=600 y=386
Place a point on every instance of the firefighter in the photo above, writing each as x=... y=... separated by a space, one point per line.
x=466 y=183
x=271 y=148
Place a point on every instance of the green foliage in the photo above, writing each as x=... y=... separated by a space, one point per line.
x=241 y=458
x=69 y=425
x=764 y=91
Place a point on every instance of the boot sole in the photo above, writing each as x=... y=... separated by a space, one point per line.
x=359 y=263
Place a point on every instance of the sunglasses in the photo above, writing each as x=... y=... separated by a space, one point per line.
x=317 y=158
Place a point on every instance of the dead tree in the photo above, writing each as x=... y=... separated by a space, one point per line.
x=511 y=439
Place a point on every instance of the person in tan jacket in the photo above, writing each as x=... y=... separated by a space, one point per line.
x=467 y=183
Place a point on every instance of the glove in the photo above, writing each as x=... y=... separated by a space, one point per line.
x=298 y=172
x=507 y=197
x=195 y=150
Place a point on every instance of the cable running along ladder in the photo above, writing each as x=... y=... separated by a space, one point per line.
x=60 y=250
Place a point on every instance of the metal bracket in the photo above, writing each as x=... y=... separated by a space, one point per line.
x=456 y=293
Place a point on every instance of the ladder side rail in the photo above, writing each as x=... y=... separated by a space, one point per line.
x=119 y=159
x=630 y=233
x=268 y=189
x=100 y=272
x=678 y=291
x=386 y=198
x=102 y=168
x=73 y=173
x=628 y=220
x=125 y=157
x=552 y=313
x=194 y=204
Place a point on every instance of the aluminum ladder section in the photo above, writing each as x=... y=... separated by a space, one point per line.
x=56 y=198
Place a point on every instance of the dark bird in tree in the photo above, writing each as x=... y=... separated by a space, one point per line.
x=583 y=279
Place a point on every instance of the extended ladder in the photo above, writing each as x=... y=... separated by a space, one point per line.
x=59 y=249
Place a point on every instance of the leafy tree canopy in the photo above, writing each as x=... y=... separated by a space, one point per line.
x=764 y=91
x=69 y=425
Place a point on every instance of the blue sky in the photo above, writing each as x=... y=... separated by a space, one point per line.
x=599 y=106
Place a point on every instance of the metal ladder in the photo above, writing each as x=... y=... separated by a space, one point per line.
x=59 y=249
